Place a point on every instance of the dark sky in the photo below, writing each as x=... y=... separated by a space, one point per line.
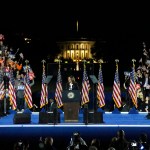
x=124 y=26
x=108 y=20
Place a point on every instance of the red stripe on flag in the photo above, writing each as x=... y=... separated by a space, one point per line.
x=116 y=91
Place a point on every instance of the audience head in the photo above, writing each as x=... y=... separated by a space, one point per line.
x=95 y=142
x=143 y=137
x=121 y=134
x=49 y=140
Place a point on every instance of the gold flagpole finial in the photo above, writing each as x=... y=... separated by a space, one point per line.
x=43 y=61
x=133 y=60
x=84 y=61
x=59 y=61
x=117 y=61
x=26 y=61
x=100 y=62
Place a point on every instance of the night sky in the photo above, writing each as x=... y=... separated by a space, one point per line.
x=123 y=27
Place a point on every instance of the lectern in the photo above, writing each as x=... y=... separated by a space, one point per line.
x=71 y=101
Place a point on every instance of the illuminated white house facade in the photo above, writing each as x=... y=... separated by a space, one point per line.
x=77 y=49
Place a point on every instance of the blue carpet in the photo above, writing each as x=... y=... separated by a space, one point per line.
x=110 y=118
x=132 y=124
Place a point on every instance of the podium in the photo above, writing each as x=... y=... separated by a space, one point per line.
x=71 y=101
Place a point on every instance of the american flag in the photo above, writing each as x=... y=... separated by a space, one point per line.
x=116 y=90
x=11 y=91
x=85 y=88
x=12 y=96
x=2 y=90
x=44 y=90
x=132 y=88
x=31 y=74
x=100 y=89
x=58 y=92
x=27 y=91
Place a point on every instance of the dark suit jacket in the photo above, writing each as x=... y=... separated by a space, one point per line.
x=74 y=86
x=52 y=106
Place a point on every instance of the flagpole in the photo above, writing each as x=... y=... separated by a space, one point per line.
x=43 y=61
x=117 y=61
x=59 y=89
x=85 y=106
x=84 y=69
x=116 y=89
x=5 y=111
x=5 y=98
x=100 y=61
x=133 y=62
x=3 y=95
x=95 y=89
x=26 y=70
x=59 y=63
x=5 y=89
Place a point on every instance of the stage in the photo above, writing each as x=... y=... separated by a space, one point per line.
x=132 y=124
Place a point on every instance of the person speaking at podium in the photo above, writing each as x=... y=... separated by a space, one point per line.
x=71 y=100
x=72 y=84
